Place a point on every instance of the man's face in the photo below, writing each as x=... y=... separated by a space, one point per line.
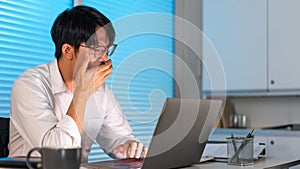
x=100 y=54
x=89 y=52
x=97 y=53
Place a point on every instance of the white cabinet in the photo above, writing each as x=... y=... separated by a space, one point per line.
x=284 y=46
x=258 y=42
x=284 y=145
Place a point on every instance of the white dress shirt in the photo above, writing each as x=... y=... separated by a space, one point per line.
x=39 y=103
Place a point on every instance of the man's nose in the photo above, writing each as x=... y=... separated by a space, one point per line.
x=105 y=57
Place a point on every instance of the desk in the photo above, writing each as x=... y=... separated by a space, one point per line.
x=282 y=150
x=263 y=163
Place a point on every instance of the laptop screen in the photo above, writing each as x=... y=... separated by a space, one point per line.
x=182 y=132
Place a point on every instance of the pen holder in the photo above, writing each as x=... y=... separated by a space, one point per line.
x=240 y=151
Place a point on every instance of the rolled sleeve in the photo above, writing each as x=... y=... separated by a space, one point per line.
x=65 y=133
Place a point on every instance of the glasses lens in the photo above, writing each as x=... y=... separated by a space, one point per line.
x=111 y=49
x=100 y=51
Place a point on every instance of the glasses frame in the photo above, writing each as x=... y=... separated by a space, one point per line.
x=109 y=53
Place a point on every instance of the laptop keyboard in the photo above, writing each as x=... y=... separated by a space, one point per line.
x=129 y=163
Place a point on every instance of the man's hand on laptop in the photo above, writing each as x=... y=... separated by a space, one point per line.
x=131 y=149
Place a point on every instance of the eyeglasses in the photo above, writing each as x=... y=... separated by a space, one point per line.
x=100 y=50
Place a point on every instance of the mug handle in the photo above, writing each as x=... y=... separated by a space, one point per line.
x=28 y=163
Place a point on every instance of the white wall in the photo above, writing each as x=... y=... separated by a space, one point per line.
x=268 y=111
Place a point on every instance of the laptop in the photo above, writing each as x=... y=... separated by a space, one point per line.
x=179 y=138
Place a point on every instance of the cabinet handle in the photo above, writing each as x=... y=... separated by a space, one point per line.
x=272 y=82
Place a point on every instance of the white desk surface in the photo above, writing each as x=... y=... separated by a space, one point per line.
x=268 y=163
x=262 y=163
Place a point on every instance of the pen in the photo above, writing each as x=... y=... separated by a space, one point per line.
x=233 y=143
x=236 y=154
x=250 y=134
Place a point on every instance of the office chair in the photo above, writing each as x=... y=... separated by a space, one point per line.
x=4 y=136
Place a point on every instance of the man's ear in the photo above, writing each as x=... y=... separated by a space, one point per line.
x=68 y=51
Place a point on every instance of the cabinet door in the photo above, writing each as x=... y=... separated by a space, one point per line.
x=285 y=146
x=238 y=31
x=284 y=46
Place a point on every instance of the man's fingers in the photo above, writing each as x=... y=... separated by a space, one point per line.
x=125 y=146
x=107 y=66
x=104 y=73
x=105 y=70
x=145 y=151
x=132 y=149
x=139 y=150
x=102 y=76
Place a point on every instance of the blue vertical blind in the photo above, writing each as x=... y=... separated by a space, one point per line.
x=25 y=40
x=143 y=62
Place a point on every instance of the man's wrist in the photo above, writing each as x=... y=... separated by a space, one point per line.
x=79 y=98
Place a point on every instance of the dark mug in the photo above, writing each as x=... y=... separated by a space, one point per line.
x=57 y=158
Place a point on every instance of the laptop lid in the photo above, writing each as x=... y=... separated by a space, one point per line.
x=181 y=133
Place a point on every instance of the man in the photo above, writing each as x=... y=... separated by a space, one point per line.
x=66 y=102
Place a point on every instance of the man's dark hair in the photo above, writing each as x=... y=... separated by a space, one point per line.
x=77 y=25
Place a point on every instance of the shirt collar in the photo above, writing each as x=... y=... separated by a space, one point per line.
x=57 y=82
